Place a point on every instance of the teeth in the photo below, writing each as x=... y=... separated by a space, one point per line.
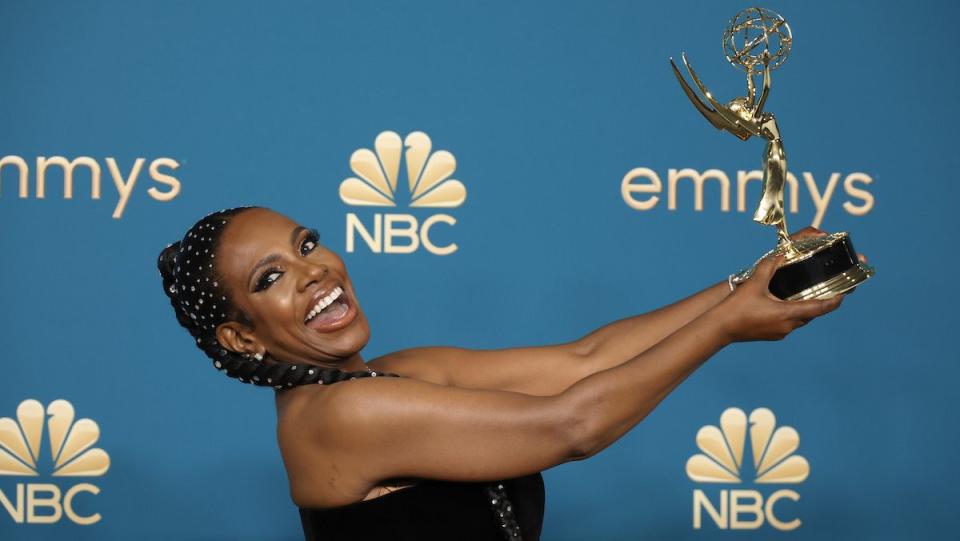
x=324 y=302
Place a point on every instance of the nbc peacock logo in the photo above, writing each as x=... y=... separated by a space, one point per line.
x=71 y=453
x=377 y=184
x=722 y=461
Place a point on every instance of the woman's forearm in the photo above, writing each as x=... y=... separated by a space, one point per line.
x=610 y=402
x=549 y=370
x=605 y=405
x=620 y=341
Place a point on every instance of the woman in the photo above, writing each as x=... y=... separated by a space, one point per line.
x=451 y=449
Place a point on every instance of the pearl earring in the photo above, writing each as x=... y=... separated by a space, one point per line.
x=258 y=356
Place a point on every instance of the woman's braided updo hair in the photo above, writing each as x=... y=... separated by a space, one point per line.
x=201 y=303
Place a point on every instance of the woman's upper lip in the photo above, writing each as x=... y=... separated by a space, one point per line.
x=322 y=292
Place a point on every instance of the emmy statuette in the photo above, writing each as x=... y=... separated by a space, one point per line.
x=758 y=41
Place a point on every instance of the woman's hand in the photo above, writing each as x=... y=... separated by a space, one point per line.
x=806 y=232
x=751 y=312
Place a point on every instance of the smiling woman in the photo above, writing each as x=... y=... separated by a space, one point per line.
x=456 y=443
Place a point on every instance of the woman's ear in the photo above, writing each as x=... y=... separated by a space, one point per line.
x=238 y=338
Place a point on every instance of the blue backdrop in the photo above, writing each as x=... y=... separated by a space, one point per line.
x=546 y=107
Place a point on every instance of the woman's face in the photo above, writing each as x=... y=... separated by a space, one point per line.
x=277 y=272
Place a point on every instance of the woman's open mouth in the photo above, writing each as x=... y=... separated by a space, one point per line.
x=331 y=312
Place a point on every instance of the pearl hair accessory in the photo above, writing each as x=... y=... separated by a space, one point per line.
x=200 y=297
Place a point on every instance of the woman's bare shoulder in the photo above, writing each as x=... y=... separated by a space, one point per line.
x=316 y=479
x=421 y=363
x=334 y=437
x=314 y=424
x=319 y=419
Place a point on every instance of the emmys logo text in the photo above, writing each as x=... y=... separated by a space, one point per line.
x=167 y=188
x=642 y=188
x=722 y=462
x=71 y=452
x=376 y=185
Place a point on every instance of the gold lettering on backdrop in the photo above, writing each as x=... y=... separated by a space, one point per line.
x=742 y=510
x=355 y=225
x=15 y=511
x=820 y=202
x=407 y=230
x=51 y=502
x=162 y=178
x=772 y=518
x=68 y=166
x=745 y=502
x=702 y=502
x=124 y=182
x=390 y=230
x=643 y=180
x=849 y=186
x=377 y=183
x=124 y=185
x=674 y=176
x=628 y=187
x=722 y=460
x=24 y=170
x=68 y=504
x=425 y=234
x=72 y=453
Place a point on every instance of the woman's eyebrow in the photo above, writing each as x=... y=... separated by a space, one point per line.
x=296 y=233
x=273 y=257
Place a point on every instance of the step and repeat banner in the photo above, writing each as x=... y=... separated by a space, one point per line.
x=493 y=174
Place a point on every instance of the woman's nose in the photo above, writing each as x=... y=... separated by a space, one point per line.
x=312 y=272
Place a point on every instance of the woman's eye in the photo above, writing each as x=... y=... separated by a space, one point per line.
x=310 y=243
x=267 y=279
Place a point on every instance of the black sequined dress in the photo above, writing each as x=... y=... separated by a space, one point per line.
x=430 y=510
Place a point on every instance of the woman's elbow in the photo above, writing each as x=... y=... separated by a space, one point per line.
x=578 y=427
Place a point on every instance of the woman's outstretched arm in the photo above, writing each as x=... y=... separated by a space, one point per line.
x=383 y=428
x=549 y=370
x=622 y=340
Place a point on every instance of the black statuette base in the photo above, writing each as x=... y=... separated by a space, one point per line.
x=829 y=270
